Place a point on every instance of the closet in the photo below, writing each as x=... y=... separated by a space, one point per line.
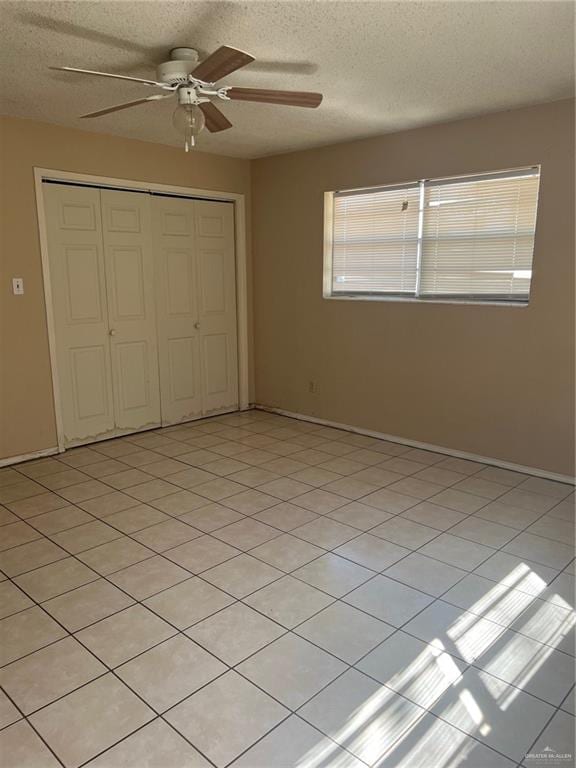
x=144 y=303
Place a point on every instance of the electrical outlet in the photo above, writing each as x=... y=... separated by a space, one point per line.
x=17 y=286
x=313 y=387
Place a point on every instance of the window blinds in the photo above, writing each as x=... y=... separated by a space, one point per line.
x=375 y=241
x=470 y=238
x=478 y=237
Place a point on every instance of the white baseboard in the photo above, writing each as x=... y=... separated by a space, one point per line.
x=28 y=456
x=425 y=446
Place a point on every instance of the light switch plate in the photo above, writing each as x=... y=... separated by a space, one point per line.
x=17 y=286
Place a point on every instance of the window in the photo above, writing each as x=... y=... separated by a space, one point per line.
x=467 y=238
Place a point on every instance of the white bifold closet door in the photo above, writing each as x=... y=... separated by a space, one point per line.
x=144 y=304
x=196 y=302
x=102 y=282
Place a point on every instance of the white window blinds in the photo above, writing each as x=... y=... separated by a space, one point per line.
x=478 y=236
x=469 y=238
x=375 y=241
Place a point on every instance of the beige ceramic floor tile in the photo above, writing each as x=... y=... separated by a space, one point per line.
x=87 y=604
x=35 y=505
x=18 y=491
x=166 y=535
x=125 y=634
x=287 y=552
x=47 y=674
x=115 y=555
x=390 y=501
x=83 y=491
x=388 y=600
x=12 y=599
x=285 y=516
x=295 y=743
x=387 y=720
x=459 y=501
x=474 y=528
x=457 y=552
x=359 y=515
x=242 y=575
x=6 y=516
x=108 y=504
x=291 y=669
x=55 y=579
x=127 y=478
x=246 y=534
x=26 y=632
x=201 y=553
x=333 y=574
x=179 y=503
x=235 y=633
x=26 y=750
x=188 y=602
x=8 y=712
x=170 y=672
x=320 y=501
x=219 y=489
x=152 y=489
x=226 y=717
x=325 y=533
x=29 y=556
x=149 y=577
x=136 y=518
x=99 y=714
x=157 y=744
x=405 y=533
x=344 y=631
x=85 y=536
x=288 y=601
x=15 y=534
x=211 y=517
x=372 y=552
x=433 y=515
x=60 y=519
x=250 y=502
x=425 y=573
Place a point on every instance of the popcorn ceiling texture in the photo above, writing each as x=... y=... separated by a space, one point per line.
x=382 y=66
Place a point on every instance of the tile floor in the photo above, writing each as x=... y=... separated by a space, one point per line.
x=255 y=591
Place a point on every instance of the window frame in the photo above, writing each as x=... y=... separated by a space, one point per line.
x=468 y=299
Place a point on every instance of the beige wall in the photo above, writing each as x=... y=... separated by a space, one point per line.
x=27 y=416
x=495 y=381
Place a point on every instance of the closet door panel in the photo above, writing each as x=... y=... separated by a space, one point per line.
x=77 y=281
x=217 y=304
x=177 y=307
x=131 y=308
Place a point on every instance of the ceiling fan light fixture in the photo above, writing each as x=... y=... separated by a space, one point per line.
x=195 y=86
x=188 y=119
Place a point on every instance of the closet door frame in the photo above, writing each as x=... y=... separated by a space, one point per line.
x=238 y=199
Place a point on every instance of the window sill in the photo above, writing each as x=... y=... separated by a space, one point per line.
x=411 y=300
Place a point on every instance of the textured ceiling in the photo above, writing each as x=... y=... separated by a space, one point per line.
x=382 y=66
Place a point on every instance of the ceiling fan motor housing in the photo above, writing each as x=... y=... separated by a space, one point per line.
x=183 y=62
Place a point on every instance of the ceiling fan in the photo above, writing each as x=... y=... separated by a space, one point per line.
x=194 y=84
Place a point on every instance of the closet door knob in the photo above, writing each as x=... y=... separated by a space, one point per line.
x=197 y=325
x=112 y=332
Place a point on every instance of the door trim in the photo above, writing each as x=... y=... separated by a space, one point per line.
x=239 y=201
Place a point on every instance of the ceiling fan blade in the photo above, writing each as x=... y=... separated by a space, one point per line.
x=215 y=120
x=222 y=62
x=288 y=98
x=108 y=74
x=126 y=105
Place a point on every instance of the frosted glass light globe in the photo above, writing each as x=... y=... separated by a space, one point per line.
x=188 y=119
